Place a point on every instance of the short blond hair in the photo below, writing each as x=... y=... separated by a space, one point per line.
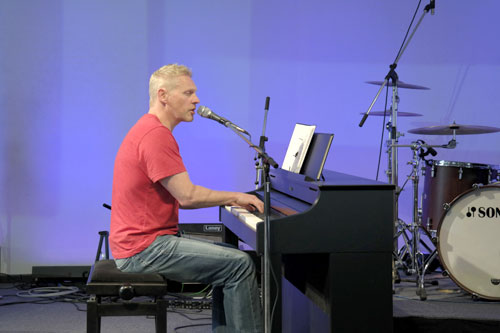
x=166 y=77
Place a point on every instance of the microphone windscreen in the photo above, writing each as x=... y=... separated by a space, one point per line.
x=204 y=111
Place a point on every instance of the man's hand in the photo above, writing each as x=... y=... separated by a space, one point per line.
x=249 y=202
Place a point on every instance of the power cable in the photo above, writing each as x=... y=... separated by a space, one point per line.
x=48 y=292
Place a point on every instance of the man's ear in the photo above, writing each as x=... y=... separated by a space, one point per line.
x=162 y=95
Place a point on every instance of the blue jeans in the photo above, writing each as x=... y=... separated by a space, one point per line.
x=231 y=272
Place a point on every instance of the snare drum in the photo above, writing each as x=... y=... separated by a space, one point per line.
x=468 y=241
x=445 y=180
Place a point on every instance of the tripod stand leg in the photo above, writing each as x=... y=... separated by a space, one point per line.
x=421 y=281
x=400 y=254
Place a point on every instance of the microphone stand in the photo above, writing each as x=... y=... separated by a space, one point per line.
x=394 y=135
x=266 y=161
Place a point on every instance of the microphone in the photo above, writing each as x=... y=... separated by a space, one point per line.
x=207 y=113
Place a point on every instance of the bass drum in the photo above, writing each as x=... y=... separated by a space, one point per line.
x=468 y=241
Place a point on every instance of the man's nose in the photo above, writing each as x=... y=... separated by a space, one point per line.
x=196 y=99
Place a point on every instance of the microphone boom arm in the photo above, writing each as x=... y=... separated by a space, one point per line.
x=265 y=157
x=394 y=65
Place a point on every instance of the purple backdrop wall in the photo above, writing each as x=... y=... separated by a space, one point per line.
x=74 y=80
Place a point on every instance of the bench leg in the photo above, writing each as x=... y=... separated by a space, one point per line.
x=93 y=318
x=161 y=316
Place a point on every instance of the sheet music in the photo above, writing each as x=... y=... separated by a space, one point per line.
x=297 y=148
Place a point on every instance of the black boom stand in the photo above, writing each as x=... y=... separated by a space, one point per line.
x=262 y=145
x=392 y=79
x=266 y=162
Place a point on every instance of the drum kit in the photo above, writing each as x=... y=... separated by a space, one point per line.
x=458 y=211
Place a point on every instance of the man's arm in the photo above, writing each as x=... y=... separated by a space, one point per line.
x=190 y=195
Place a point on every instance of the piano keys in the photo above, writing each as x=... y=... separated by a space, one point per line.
x=332 y=240
x=252 y=218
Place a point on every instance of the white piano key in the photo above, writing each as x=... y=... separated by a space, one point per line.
x=244 y=216
x=249 y=219
x=236 y=211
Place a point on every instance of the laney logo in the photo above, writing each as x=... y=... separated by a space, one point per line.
x=212 y=228
x=483 y=212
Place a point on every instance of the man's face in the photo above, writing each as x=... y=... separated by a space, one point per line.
x=182 y=99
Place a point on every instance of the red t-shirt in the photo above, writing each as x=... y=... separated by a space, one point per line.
x=142 y=208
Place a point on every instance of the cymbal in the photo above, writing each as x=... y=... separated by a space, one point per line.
x=459 y=130
x=401 y=84
x=388 y=113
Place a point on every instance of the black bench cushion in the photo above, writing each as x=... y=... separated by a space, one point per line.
x=106 y=271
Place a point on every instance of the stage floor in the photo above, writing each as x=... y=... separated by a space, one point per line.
x=447 y=308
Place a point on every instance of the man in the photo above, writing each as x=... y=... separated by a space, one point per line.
x=150 y=184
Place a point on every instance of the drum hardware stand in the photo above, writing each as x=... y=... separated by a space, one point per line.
x=411 y=232
x=418 y=263
x=425 y=263
x=411 y=244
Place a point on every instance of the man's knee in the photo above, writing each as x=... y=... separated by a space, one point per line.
x=246 y=263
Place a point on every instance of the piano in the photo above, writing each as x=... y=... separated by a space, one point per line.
x=332 y=240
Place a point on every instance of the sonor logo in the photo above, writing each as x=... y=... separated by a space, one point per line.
x=483 y=212
x=212 y=228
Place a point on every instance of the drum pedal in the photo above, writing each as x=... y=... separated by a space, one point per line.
x=495 y=281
